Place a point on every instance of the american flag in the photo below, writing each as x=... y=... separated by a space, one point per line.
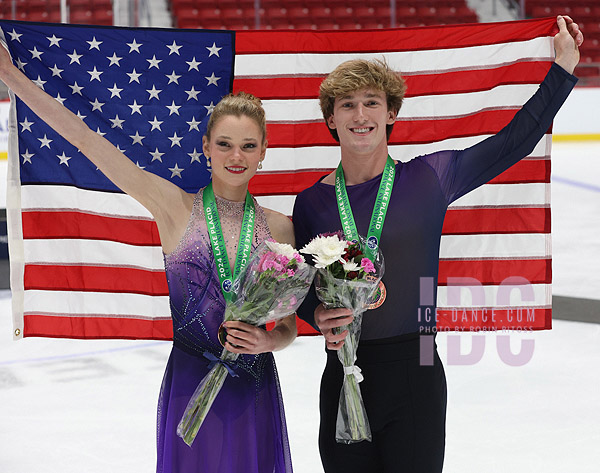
x=86 y=259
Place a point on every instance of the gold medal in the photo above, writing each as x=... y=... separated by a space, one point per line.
x=378 y=297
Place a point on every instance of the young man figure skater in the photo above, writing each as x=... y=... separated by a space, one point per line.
x=405 y=400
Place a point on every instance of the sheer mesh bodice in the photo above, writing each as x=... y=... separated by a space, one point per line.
x=197 y=304
x=245 y=429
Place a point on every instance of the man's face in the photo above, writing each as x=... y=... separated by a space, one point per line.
x=360 y=119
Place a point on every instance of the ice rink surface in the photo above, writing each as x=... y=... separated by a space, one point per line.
x=73 y=406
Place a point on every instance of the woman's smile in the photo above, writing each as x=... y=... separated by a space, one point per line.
x=235 y=169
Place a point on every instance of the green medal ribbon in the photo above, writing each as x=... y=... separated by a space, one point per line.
x=379 y=209
x=217 y=242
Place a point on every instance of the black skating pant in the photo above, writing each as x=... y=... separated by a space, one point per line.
x=405 y=403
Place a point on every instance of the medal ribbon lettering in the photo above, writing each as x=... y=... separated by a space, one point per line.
x=217 y=242
x=379 y=209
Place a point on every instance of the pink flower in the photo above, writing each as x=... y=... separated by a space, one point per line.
x=367 y=265
x=284 y=260
x=273 y=261
x=290 y=272
x=261 y=263
x=269 y=262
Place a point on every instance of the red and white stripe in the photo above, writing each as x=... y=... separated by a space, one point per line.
x=88 y=264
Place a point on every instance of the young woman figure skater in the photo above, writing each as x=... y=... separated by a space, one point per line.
x=245 y=429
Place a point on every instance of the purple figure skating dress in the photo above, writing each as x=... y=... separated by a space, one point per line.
x=245 y=430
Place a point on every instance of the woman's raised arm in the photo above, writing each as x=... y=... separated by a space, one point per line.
x=169 y=204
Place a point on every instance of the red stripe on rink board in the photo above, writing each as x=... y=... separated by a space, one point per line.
x=413 y=131
x=477 y=319
x=456 y=82
x=507 y=220
x=494 y=272
x=95 y=279
x=58 y=224
x=402 y=39
x=37 y=325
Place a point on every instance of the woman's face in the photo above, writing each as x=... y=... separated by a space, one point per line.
x=235 y=149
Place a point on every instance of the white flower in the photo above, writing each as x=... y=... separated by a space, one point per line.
x=286 y=250
x=281 y=248
x=323 y=262
x=350 y=266
x=326 y=250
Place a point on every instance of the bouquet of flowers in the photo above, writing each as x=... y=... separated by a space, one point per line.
x=272 y=285
x=347 y=278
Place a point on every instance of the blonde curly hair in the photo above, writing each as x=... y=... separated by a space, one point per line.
x=358 y=74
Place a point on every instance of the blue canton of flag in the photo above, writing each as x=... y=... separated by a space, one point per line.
x=150 y=92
